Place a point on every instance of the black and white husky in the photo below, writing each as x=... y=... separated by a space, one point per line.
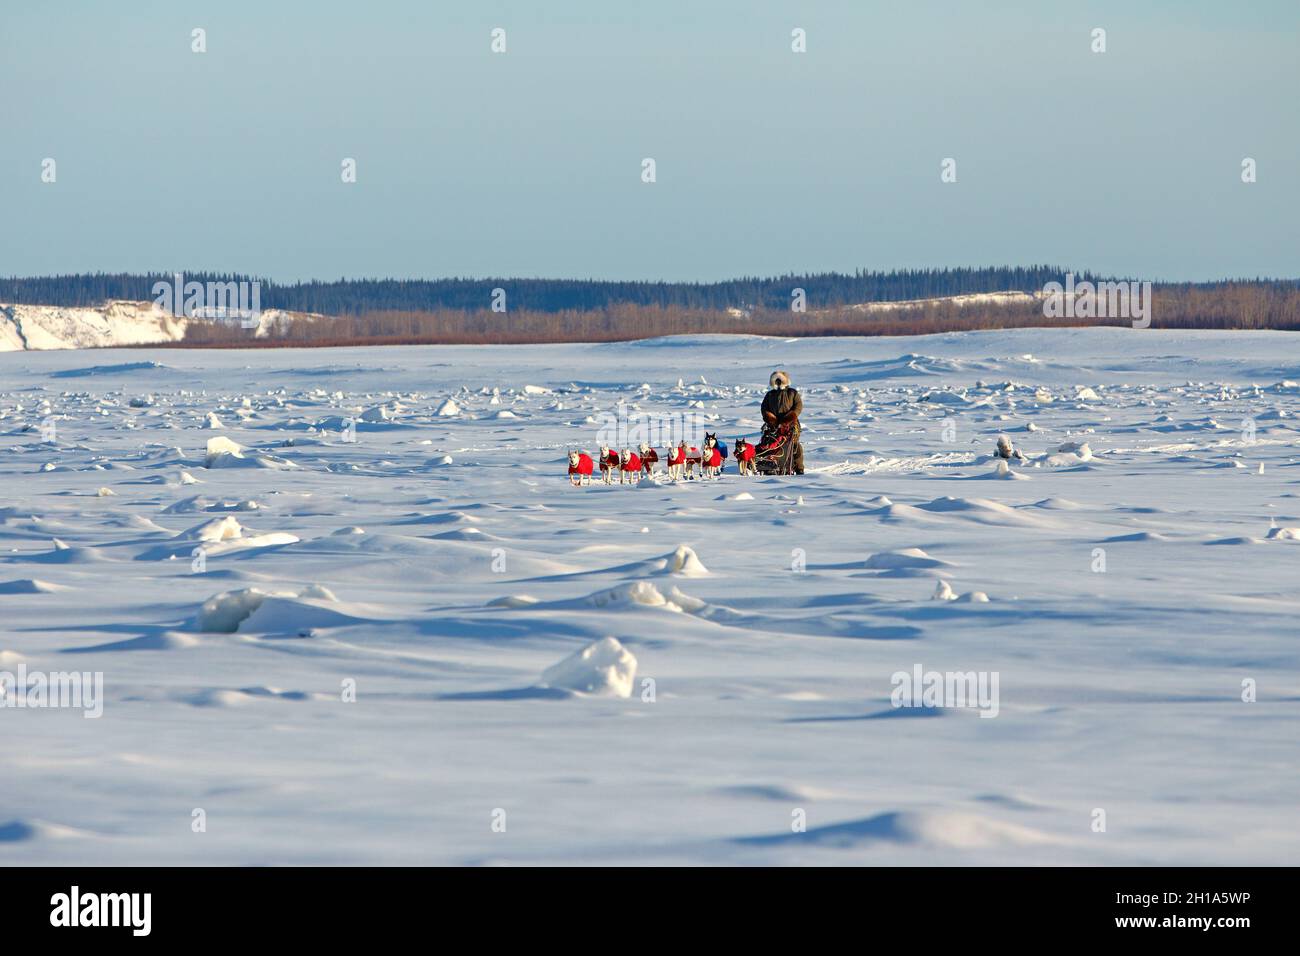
x=711 y=457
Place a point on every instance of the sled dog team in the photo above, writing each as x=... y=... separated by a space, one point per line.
x=681 y=462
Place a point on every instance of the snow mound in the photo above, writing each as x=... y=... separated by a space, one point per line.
x=513 y=601
x=224 y=453
x=218 y=529
x=218 y=697
x=224 y=535
x=310 y=609
x=926 y=829
x=19 y=831
x=686 y=562
x=31 y=586
x=901 y=512
x=466 y=534
x=166 y=641
x=945 y=397
x=1136 y=536
x=63 y=553
x=250 y=542
x=943 y=592
x=1058 y=504
x=1284 y=534
x=1003 y=471
x=903 y=558
x=636 y=593
x=683 y=562
x=448 y=409
x=224 y=613
x=981 y=510
x=1070 y=453
x=603 y=668
x=958 y=830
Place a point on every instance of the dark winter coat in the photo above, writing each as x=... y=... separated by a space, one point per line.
x=784 y=404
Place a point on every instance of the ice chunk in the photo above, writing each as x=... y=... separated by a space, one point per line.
x=220 y=448
x=225 y=612
x=605 y=668
x=218 y=529
x=686 y=562
x=943 y=591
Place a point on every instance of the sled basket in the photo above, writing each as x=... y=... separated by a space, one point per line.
x=774 y=454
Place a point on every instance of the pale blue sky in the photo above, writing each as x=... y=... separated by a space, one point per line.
x=528 y=163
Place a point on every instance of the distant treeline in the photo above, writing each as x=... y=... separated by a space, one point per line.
x=363 y=296
x=1220 y=306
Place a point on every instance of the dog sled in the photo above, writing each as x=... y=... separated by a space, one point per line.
x=775 y=452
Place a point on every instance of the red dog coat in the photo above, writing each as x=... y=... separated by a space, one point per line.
x=584 y=465
x=611 y=460
x=633 y=462
x=746 y=451
x=677 y=456
x=715 y=458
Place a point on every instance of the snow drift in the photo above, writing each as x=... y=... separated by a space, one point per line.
x=603 y=668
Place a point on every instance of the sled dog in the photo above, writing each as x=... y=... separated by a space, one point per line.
x=649 y=458
x=580 y=468
x=629 y=467
x=608 y=462
x=744 y=452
